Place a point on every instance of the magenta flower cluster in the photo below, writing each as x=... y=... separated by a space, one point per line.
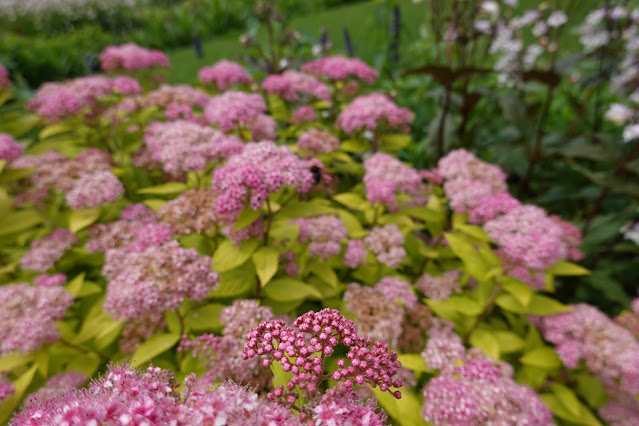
x=10 y=149
x=131 y=57
x=28 y=315
x=386 y=176
x=232 y=109
x=259 y=169
x=355 y=254
x=181 y=146
x=44 y=252
x=5 y=81
x=325 y=234
x=314 y=142
x=341 y=68
x=224 y=74
x=387 y=243
x=293 y=85
x=119 y=233
x=301 y=349
x=372 y=112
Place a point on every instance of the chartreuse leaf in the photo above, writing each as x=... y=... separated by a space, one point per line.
x=19 y=221
x=109 y=331
x=290 y=290
x=542 y=357
x=395 y=142
x=80 y=219
x=413 y=362
x=229 y=256
x=543 y=305
x=54 y=129
x=19 y=388
x=486 y=341
x=406 y=411
x=280 y=377
x=518 y=289
x=206 y=317
x=590 y=389
x=78 y=287
x=510 y=304
x=236 y=282
x=154 y=204
x=508 y=341
x=472 y=230
x=164 y=189
x=473 y=262
x=564 y=268
x=266 y=261
x=352 y=200
x=153 y=347
x=247 y=216
x=42 y=361
x=564 y=404
x=355 y=145
x=14 y=360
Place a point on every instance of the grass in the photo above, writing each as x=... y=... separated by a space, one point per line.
x=367 y=24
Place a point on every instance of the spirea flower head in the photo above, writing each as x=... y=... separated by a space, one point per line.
x=259 y=169
x=131 y=57
x=325 y=233
x=386 y=176
x=609 y=351
x=345 y=407
x=491 y=206
x=395 y=289
x=223 y=74
x=292 y=85
x=127 y=85
x=150 y=235
x=94 y=189
x=28 y=315
x=120 y=233
x=301 y=349
x=179 y=94
x=157 y=279
x=374 y=111
x=341 y=68
x=181 y=146
x=439 y=287
x=10 y=149
x=262 y=127
x=50 y=280
x=45 y=251
x=304 y=114
x=387 y=244
x=355 y=254
x=191 y=212
x=232 y=109
x=316 y=141
x=4 y=79
x=6 y=387
x=56 y=385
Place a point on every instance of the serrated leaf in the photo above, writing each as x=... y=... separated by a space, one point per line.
x=80 y=219
x=542 y=357
x=266 y=261
x=153 y=347
x=290 y=290
x=164 y=189
x=229 y=256
x=564 y=268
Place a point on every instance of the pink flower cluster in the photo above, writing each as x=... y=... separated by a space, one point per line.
x=341 y=68
x=439 y=287
x=191 y=212
x=232 y=109
x=630 y=319
x=374 y=111
x=260 y=168
x=325 y=233
x=28 y=315
x=56 y=101
x=120 y=233
x=131 y=57
x=304 y=114
x=608 y=350
x=355 y=254
x=179 y=94
x=71 y=176
x=144 y=284
x=292 y=85
x=387 y=244
x=45 y=251
x=56 y=386
x=4 y=81
x=6 y=387
x=386 y=176
x=50 y=280
x=221 y=356
x=301 y=349
x=181 y=146
x=341 y=406
x=474 y=389
x=397 y=290
x=10 y=149
x=224 y=74
x=314 y=142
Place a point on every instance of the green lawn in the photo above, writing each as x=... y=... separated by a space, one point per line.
x=365 y=22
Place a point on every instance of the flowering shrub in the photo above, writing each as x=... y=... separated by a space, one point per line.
x=268 y=234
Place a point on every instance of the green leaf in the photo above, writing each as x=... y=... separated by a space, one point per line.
x=590 y=389
x=54 y=129
x=355 y=145
x=206 y=317
x=413 y=362
x=508 y=341
x=510 y=304
x=42 y=361
x=352 y=200
x=80 y=219
x=572 y=409
x=472 y=230
x=563 y=268
x=290 y=290
x=406 y=411
x=14 y=360
x=280 y=377
x=154 y=204
x=395 y=142
x=109 y=331
x=266 y=261
x=78 y=287
x=20 y=387
x=518 y=289
x=164 y=189
x=473 y=262
x=247 y=216
x=543 y=305
x=19 y=221
x=543 y=357
x=486 y=341
x=153 y=347
x=236 y=282
x=229 y=256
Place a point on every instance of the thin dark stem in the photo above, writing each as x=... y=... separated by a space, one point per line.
x=484 y=312
x=82 y=349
